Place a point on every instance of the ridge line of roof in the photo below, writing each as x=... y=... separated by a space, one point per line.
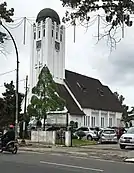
x=83 y=75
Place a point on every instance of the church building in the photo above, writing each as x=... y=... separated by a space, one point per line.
x=88 y=101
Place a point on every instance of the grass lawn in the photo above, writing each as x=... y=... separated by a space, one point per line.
x=78 y=142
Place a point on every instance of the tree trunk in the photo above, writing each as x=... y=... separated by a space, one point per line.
x=44 y=122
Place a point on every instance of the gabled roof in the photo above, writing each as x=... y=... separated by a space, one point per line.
x=90 y=93
x=72 y=107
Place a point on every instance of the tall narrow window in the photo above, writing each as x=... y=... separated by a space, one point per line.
x=57 y=35
x=110 y=122
x=84 y=120
x=92 y=121
x=34 y=35
x=39 y=34
x=102 y=121
x=44 y=33
x=88 y=121
x=61 y=37
x=52 y=33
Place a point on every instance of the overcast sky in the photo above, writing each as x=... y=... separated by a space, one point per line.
x=115 y=70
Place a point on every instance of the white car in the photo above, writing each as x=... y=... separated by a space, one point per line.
x=89 y=134
x=127 y=139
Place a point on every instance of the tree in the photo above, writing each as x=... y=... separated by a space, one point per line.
x=6 y=15
x=117 y=14
x=9 y=99
x=45 y=97
x=121 y=99
x=3 y=115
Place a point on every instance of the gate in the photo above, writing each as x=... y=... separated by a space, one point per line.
x=60 y=137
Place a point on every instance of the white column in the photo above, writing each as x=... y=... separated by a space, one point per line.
x=99 y=118
x=90 y=117
x=54 y=138
x=67 y=138
x=108 y=119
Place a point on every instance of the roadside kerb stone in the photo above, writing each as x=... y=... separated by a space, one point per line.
x=118 y=156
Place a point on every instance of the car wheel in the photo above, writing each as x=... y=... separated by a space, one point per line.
x=89 y=137
x=15 y=150
x=122 y=146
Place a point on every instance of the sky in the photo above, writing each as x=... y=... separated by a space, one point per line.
x=85 y=56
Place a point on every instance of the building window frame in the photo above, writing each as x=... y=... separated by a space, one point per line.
x=93 y=123
x=60 y=37
x=56 y=35
x=34 y=35
x=39 y=34
x=44 y=33
x=52 y=32
x=102 y=122
x=110 y=122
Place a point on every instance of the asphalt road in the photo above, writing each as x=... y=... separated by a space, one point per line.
x=58 y=163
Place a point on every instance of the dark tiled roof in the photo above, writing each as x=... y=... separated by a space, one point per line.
x=72 y=107
x=90 y=93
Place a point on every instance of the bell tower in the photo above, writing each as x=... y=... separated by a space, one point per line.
x=48 y=46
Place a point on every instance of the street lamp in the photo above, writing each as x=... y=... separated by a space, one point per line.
x=17 y=80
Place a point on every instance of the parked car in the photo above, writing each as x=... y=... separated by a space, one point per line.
x=108 y=135
x=127 y=139
x=86 y=132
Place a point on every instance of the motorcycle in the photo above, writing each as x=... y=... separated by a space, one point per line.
x=11 y=146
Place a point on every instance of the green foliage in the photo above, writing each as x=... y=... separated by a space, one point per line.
x=7 y=16
x=45 y=96
x=121 y=99
x=117 y=11
x=8 y=105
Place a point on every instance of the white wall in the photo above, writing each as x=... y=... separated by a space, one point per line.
x=118 y=119
x=101 y=118
x=47 y=137
x=76 y=118
x=47 y=54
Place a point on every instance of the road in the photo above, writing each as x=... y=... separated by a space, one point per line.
x=58 y=163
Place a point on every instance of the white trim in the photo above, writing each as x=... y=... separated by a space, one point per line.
x=73 y=96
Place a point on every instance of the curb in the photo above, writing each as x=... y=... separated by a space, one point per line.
x=64 y=152
x=35 y=151
x=78 y=153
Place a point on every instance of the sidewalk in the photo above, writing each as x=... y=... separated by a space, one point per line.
x=78 y=151
x=94 y=147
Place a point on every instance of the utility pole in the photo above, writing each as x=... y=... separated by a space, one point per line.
x=25 y=107
x=17 y=80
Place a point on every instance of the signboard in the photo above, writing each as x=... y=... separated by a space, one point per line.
x=56 y=119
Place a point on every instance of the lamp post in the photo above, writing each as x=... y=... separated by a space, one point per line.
x=17 y=79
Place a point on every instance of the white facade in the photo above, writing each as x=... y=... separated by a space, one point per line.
x=47 y=48
x=100 y=118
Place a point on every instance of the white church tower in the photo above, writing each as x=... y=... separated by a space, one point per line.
x=48 y=47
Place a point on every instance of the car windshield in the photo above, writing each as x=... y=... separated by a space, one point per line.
x=109 y=131
x=131 y=130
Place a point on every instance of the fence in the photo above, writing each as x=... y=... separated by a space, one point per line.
x=52 y=137
x=48 y=137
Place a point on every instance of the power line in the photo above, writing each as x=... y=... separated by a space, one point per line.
x=7 y=72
